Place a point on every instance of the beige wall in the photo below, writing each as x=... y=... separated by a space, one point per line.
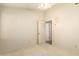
x=66 y=30
x=19 y=28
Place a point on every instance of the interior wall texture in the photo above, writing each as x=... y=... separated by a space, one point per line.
x=65 y=27
x=19 y=28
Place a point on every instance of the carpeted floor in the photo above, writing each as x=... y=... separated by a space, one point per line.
x=41 y=50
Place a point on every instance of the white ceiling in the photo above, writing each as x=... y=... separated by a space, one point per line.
x=23 y=5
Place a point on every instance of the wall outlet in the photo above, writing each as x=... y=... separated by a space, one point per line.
x=76 y=46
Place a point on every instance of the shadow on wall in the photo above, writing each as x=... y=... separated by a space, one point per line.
x=0 y=26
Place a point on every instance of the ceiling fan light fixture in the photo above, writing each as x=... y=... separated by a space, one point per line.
x=45 y=6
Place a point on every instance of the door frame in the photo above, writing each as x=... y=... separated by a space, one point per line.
x=50 y=30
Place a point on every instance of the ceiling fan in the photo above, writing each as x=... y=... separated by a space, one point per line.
x=45 y=6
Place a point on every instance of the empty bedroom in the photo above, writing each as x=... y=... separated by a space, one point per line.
x=39 y=29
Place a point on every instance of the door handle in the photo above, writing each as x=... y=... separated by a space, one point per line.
x=38 y=33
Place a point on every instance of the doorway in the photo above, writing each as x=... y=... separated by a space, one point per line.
x=48 y=28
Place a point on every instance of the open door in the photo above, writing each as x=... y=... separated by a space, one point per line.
x=48 y=28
